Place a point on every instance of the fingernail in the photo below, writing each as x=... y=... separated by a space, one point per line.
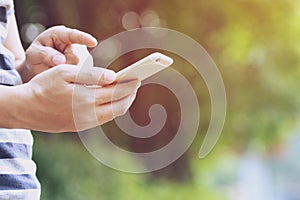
x=59 y=59
x=95 y=42
x=109 y=76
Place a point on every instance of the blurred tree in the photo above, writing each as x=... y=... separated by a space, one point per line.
x=255 y=43
x=107 y=18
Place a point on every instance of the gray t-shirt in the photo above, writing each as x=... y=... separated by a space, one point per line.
x=17 y=170
x=8 y=75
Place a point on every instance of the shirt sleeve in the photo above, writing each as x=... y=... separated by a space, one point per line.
x=10 y=8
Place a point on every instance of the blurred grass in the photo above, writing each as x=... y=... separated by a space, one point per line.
x=68 y=172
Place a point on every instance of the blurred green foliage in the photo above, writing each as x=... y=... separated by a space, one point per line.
x=255 y=44
x=68 y=171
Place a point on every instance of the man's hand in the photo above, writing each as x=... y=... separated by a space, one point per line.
x=53 y=47
x=58 y=101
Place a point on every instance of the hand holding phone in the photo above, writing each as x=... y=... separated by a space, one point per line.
x=140 y=70
x=145 y=67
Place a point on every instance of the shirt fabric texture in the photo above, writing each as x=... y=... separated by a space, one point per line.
x=17 y=170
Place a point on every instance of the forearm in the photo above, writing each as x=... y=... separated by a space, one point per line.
x=9 y=106
x=13 y=43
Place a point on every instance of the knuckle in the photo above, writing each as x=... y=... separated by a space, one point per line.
x=72 y=59
x=75 y=60
x=76 y=35
x=100 y=118
x=71 y=36
x=33 y=49
x=101 y=100
x=44 y=54
x=53 y=34
x=58 y=27
x=91 y=76
x=109 y=118
x=104 y=118
x=74 y=30
x=60 y=69
x=63 y=71
x=28 y=53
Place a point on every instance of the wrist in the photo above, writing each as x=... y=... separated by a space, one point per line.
x=24 y=70
x=15 y=107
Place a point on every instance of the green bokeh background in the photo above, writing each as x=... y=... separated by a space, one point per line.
x=255 y=44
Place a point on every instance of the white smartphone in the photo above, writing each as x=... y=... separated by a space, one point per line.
x=145 y=67
x=141 y=69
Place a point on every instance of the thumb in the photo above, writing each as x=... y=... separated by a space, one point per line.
x=57 y=59
x=94 y=76
x=44 y=56
x=53 y=57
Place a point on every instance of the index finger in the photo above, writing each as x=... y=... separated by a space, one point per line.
x=70 y=36
x=92 y=76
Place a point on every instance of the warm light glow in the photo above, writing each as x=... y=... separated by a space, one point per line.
x=30 y=31
x=150 y=19
x=130 y=20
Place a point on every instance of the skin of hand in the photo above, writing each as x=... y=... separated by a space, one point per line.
x=53 y=47
x=49 y=49
x=46 y=103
